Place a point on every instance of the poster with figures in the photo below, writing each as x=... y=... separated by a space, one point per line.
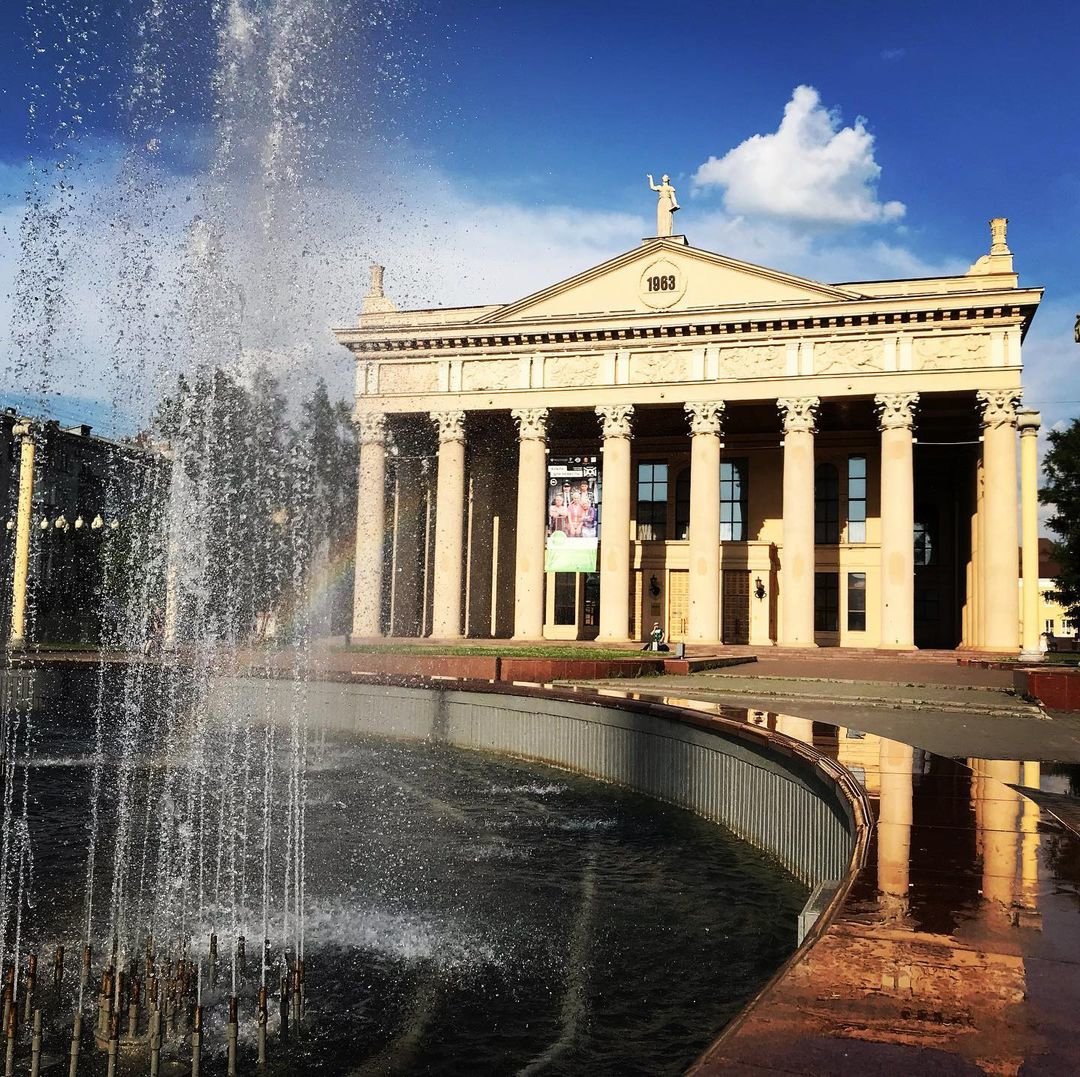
x=573 y=514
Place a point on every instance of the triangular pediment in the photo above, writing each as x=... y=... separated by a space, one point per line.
x=666 y=275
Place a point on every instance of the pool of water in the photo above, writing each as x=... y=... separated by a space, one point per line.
x=463 y=913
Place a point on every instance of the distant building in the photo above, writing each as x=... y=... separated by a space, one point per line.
x=677 y=437
x=1053 y=621
x=85 y=491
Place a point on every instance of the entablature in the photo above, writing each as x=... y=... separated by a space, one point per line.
x=974 y=310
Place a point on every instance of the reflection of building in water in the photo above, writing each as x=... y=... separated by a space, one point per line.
x=929 y=949
x=747 y=421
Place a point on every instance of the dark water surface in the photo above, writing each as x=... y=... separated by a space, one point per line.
x=468 y=914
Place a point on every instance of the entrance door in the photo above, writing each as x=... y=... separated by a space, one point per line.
x=735 y=626
x=678 y=605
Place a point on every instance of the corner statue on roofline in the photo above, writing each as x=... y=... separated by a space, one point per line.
x=666 y=205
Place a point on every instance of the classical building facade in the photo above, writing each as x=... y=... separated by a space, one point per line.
x=676 y=437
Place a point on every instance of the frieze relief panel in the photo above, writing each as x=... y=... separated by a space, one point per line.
x=753 y=361
x=480 y=374
x=848 y=356
x=408 y=378
x=646 y=367
x=570 y=370
x=943 y=351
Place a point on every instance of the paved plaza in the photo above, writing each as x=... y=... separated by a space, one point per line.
x=947 y=708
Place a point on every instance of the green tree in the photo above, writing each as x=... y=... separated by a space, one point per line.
x=1062 y=491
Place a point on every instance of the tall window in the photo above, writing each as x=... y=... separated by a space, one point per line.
x=856 y=499
x=826 y=504
x=826 y=601
x=733 y=497
x=682 y=504
x=652 y=502
x=856 y=601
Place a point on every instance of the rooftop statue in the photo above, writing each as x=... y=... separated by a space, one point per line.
x=665 y=205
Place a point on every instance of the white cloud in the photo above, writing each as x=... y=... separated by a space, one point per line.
x=809 y=170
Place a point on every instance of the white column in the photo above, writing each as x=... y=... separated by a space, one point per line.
x=1001 y=569
x=24 y=432
x=895 y=418
x=447 y=600
x=706 y=427
x=797 y=558
x=370 y=513
x=616 y=428
x=531 y=514
x=1029 y=423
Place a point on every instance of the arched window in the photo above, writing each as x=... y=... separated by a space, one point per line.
x=826 y=504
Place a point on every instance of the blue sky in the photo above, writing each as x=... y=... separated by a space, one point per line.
x=483 y=150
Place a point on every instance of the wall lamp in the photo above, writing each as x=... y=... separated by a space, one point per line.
x=759 y=588
x=654 y=587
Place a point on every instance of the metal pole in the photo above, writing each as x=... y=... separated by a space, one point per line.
x=35 y=1046
x=76 y=1041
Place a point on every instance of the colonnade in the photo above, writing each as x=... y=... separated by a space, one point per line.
x=995 y=549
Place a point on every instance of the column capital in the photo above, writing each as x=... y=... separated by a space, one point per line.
x=616 y=420
x=799 y=413
x=531 y=423
x=370 y=427
x=705 y=417
x=998 y=406
x=1029 y=421
x=450 y=425
x=896 y=411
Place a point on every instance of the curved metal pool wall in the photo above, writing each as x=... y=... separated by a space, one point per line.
x=773 y=794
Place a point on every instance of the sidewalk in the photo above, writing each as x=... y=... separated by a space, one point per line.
x=951 y=710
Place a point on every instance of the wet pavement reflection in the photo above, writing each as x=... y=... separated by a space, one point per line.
x=956 y=945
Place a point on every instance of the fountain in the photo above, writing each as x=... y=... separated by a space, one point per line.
x=193 y=878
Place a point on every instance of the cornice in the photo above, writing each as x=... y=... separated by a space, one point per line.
x=1015 y=307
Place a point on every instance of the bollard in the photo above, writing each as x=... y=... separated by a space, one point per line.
x=155 y=1042
x=76 y=1041
x=234 y=1035
x=296 y=989
x=263 y=1017
x=35 y=1046
x=84 y=976
x=196 y=1043
x=58 y=970
x=241 y=956
x=283 y=1011
x=213 y=961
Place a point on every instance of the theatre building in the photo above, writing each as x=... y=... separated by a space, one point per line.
x=677 y=437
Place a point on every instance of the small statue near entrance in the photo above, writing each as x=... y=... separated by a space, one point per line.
x=666 y=205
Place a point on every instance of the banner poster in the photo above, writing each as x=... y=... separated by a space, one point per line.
x=573 y=514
